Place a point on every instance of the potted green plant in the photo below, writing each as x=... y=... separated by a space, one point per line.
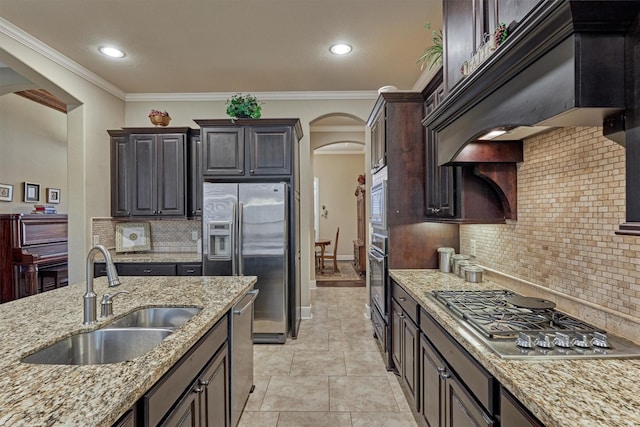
x=431 y=55
x=244 y=107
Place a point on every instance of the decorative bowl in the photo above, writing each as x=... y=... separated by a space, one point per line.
x=160 y=120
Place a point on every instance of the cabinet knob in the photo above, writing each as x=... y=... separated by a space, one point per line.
x=252 y=171
x=159 y=212
x=203 y=382
x=197 y=390
x=241 y=170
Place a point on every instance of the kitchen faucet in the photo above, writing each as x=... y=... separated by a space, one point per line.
x=90 y=296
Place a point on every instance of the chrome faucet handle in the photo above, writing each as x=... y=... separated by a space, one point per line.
x=106 y=305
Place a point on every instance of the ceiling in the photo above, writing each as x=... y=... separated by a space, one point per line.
x=195 y=46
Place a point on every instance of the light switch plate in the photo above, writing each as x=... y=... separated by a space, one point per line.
x=472 y=247
x=194 y=235
x=96 y=239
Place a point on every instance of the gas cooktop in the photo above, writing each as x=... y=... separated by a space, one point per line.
x=518 y=327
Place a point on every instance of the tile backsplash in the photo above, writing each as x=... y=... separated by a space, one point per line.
x=571 y=199
x=166 y=235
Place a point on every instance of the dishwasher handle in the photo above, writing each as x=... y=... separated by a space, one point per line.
x=254 y=295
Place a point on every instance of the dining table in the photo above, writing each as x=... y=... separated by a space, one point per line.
x=322 y=244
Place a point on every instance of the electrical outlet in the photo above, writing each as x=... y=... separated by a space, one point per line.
x=194 y=235
x=96 y=239
x=472 y=247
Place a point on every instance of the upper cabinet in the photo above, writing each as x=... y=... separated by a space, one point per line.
x=194 y=173
x=247 y=148
x=378 y=141
x=148 y=172
x=467 y=24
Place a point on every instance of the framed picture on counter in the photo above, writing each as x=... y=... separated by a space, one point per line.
x=133 y=237
x=53 y=195
x=6 y=192
x=31 y=192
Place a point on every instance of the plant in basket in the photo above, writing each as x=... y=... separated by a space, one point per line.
x=159 y=118
x=244 y=107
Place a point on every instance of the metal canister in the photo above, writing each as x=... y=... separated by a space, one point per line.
x=473 y=273
x=445 y=259
x=455 y=259
x=462 y=264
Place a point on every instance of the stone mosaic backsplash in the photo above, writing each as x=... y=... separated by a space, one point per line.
x=166 y=235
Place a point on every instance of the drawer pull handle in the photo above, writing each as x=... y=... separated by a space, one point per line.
x=403 y=299
x=147 y=270
x=191 y=271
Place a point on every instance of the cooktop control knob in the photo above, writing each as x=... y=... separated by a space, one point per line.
x=562 y=340
x=600 y=340
x=581 y=340
x=524 y=340
x=544 y=341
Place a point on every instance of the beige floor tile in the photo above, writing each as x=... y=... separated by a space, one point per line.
x=361 y=394
x=285 y=393
x=348 y=341
x=361 y=325
x=382 y=419
x=401 y=399
x=314 y=419
x=316 y=341
x=320 y=326
x=327 y=363
x=255 y=398
x=267 y=363
x=364 y=363
x=258 y=419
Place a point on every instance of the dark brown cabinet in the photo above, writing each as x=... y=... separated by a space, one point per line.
x=513 y=413
x=194 y=173
x=150 y=269
x=378 y=141
x=405 y=336
x=158 y=182
x=248 y=147
x=148 y=172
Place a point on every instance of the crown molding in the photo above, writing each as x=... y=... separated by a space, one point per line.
x=48 y=52
x=424 y=79
x=263 y=96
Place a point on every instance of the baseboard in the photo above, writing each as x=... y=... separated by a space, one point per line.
x=367 y=311
x=305 y=313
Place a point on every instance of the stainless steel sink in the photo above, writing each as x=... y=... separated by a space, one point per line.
x=156 y=317
x=101 y=346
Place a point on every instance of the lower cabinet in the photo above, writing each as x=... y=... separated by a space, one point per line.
x=195 y=392
x=513 y=413
x=405 y=341
x=150 y=269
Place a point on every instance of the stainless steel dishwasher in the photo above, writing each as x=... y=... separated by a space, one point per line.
x=241 y=354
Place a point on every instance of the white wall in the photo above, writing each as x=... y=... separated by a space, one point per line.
x=33 y=146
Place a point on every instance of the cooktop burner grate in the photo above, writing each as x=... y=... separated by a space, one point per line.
x=494 y=317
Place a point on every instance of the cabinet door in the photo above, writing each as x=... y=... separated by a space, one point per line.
x=378 y=142
x=461 y=409
x=410 y=353
x=194 y=200
x=270 y=150
x=186 y=413
x=396 y=334
x=439 y=186
x=432 y=391
x=223 y=151
x=214 y=383
x=506 y=11
x=514 y=414
x=463 y=29
x=121 y=164
x=145 y=175
x=171 y=187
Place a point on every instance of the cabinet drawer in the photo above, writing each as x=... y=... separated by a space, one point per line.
x=161 y=398
x=474 y=376
x=379 y=328
x=189 y=269
x=135 y=269
x=408 y=304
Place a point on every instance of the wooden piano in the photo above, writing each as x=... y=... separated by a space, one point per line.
x=33 y=254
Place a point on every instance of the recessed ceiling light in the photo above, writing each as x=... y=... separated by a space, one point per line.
x=340 y=49
x=111 y=51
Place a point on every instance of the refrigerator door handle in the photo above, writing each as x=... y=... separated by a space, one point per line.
x=234 y=240
x=240 y=224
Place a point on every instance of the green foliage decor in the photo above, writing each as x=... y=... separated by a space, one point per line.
x=244 y=106
x=431 y=55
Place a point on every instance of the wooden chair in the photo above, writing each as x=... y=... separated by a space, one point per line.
x=334 y=257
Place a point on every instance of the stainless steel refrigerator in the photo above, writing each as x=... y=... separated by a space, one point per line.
x=245 y=232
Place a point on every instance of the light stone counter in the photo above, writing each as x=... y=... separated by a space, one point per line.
x=97 y=395
x=595 y=392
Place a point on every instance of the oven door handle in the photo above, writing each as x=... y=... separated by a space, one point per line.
x=376 y=257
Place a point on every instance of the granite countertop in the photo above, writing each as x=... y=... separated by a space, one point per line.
x=154 y=257
x=96 y=395
x=594 y=392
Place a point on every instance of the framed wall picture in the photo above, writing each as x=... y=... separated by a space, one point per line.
x=6 y=192
x=53 y=195
x=133 y=236
x=31 y=192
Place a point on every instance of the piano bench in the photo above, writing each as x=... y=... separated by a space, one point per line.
x=53 y=278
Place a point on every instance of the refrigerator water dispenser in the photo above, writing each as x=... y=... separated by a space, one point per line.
x=220 y=240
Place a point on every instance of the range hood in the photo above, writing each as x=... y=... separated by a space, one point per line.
x=563 y=65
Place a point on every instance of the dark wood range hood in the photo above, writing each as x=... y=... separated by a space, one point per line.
x=563 y=65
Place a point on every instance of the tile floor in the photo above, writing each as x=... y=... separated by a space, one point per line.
x=333 y=375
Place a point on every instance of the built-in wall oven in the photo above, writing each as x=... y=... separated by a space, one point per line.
x=379 y=201
x=378 y=271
